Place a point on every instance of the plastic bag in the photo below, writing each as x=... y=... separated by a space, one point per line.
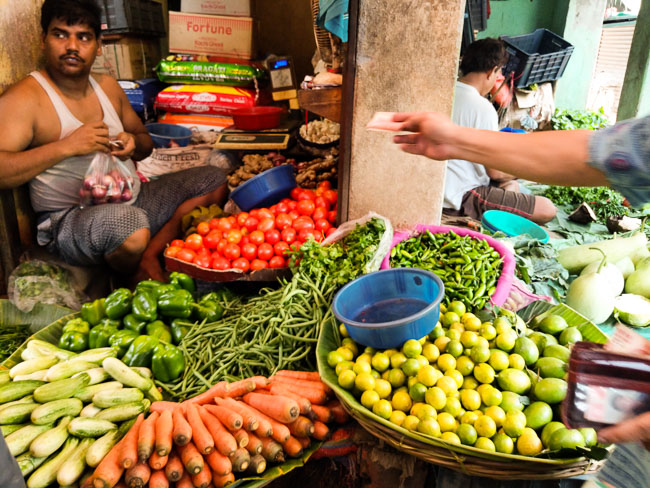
x=520 y=296
x=36 y=281
x=107 y=180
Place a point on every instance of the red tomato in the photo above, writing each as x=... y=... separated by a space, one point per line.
x=331 y=216
x=253 y=213
x=330 y=231
x=277 y=262
x=257 y=264
x=232 y=251
x=221 y=246
x=282 y=221
x=171 y=251
x=307 y=195
x=186 y=255
x=241 y=218
x=274 y=209
x=233 y=221
x=302 y=223
x=331 y=196
x=325 y=184
x=272 y=236
x=282 y=207
x=293 y=214
x=319 y=213
x=322 y=225
x=306 y=207
x=242 y=264
x=280 y=247
x=203 y=261
x=265 y=213
x=295 y=193
x=266 y=224
x=202 y=228
x=256 y=237
x=234 y=236
x=203 y=252
x=212 y=239
x=288 y=235
x=249 y=251
x=306 y=234
x=321 y=202
x=177 y=243
x=251 y=223
x=292 y=205
x=194 y=242
x=244 y=239
x=265 y=251
x=224 y=224
x=286 y=200
x=220 y=263
x=214 y=223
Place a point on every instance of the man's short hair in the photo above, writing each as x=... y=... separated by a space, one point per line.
x=483 y=55
x=73 y=12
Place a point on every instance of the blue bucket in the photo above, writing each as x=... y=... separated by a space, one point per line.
x=512 y=225
x=265 y=189
x=386 y=308
x=162 y=134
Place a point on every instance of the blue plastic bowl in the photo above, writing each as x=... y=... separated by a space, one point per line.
x=512 y=225
x=162 y=134
x=265 y=189
x=514 y=131
x=386 y=308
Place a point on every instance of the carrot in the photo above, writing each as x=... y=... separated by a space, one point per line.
x=185 y=481
x=109 y=471
x=280 y=432
x=318 y=385
x=147 y=436
x=223 y=440
x=321 y=431
x=271 y=450
x=301 y=427
x=182 y=432
x=158 y=462
x=240 y=388
x=88 y=483
x=241 y=436
x=304 y=404
x=250 y=423
x=174 y=468
x=230 y=420
x=129 y=450
x=219 y=463
x=217 y=390
x=292 y=447
x=299 y=375
x=257 y=464
x=200 y=434
x=261 y=382
x=191 y=458
x=203 y=478
x=240 y=460
x=137 y=475
x=254 y=445
x=120 y=484
x=263 y=427
x=221 y=481
x=322 y=413
x=280 y=408
x=162 y=405
x=339 y=414
x=158 y=480
x=164 y=429
x=314 y=395
x=304 y=441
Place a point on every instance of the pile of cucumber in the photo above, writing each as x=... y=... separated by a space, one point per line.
x=62 y=412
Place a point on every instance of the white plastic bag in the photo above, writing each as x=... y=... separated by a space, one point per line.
x=107 y=180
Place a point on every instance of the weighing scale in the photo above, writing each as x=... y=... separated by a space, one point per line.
x=283 y=80
x=252 y=141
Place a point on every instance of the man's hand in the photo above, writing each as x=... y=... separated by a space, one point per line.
x=88 y=138
x=636 y=429
x=433 y=134
x=128 y=146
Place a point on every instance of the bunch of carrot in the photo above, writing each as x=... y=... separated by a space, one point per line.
x=231 y=428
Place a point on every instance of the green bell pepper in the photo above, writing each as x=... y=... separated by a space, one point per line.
x=131 y=322
x=122 y=339
x=73 y=341
x=147 y=285
x=118 y=303
x=162 y=289
x=144 y=306
x=207 y=310
x=159 y=330
x=180 y=328
x=140 y=351
x=167 y=363
x=76 y=325
x=176 y=304
x=100 y=334
x=93 y=312
x=110 y=323
x=182 y=281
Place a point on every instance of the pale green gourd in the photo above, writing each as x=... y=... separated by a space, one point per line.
x=591 y=294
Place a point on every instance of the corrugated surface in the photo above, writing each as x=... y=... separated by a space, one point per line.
x=614 y=49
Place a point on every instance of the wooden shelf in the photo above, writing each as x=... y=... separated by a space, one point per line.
x=325 y=102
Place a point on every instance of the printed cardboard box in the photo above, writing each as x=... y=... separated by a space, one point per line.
x=238 y=8
x=128 y=58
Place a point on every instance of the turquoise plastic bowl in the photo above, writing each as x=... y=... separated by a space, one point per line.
x=512 y=225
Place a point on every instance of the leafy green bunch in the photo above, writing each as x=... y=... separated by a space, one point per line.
x=566 y=119
x=604 y=201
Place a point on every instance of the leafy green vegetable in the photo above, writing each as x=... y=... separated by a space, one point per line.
x=11 y=337
x=566 y=119
x=604 y=201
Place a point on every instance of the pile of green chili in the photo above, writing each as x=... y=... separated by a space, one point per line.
x=468 y=267
x=11 y=337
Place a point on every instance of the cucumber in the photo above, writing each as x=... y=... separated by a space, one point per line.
x=144 y=372
x=19 y=441
x=98 y=449
x=8 y=429
x=87 y=393
x=96 y=355
x=49 y=442
x=121 y=412
x=28 y=463
x=36 y=375
x=153 y=394
x=42 y=348
x=17 y=413
x=72 y=469
x=46 y=474
x=97 y=375
x=51 y=411
x=89 y=411
x=66 y=369
x=18 y=389
x=57 y=390
x=108 y=398
x=28 y=354
x=125 y=375
x=33 y=365
x=25 y=399
x=4 y=376
x=90 y=427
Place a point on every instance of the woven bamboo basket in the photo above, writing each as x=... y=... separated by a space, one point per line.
x=330 y=48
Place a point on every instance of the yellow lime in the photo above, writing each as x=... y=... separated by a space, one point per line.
x=469 y=418
x=453 y=335
x=431 y=352
x=351 y=345
x=465 y=365
x=411 y=348
x=364 y=381
x=499 y=360
x=369 y=351
x=390 y=352
x=383 y=409
x=455 y=348
x=456 y=375
x=343 y=331
x=397 y=417
x=375 y=374
x=480 y=354
x=401 y=400
x=488 y=331
x=458 y=327
x=449 y=318
x=485 y=426
x=453 y=407
x=511 y=401
x=446 y=362
x=450 y=437
x=417 y=392
x=441 y=343
x=437 y=331
x=470 y=383
x=342 y=366
x=428 y=375
x=411 y=381
x=485 y=444
x=361 y=367
x=347 y=379
x=429 y=426
x=380 y=362
x=397 y=359
x=383 y=387
x=497 y=414
x=590 y=436
x=411 y=422
x=503 y=443
x=346 y=352
x=384 y=375
x=447 y=384
x=491 y=396
x=470 y=399
x=506 y=340
x=365 y=357
x=422 y=360
x=334 y=358
x=502 y=324
x=425 y=411
x=454 y=394
x=411 y=367
x=467 y=434
x=369 y=398
x=396 y=377
x=447 y=422
x=515 y=423
x=415 y=408
x=471 y=322
x=436 y=397
x=457 y=307
x=538 y=414
x=483 y=342
x=484 y=373
x=468 y=338
x=528 y=443
x=548 y=430
x=516 y=361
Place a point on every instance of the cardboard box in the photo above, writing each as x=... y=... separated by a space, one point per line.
x=237 y=8
x=128 y=58
x=210 y=35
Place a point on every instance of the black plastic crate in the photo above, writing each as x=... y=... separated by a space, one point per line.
x=141 y=17
x=478 y=14
x=536 y=57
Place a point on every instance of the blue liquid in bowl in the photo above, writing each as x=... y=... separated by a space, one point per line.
x=390 y=310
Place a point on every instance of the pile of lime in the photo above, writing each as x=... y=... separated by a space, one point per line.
x=472 y=382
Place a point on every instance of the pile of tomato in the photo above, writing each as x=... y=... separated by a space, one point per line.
x=259 y=239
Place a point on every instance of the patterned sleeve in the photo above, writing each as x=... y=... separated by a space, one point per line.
x=622 y=153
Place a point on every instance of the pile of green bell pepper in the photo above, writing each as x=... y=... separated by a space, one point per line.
x=74 y=336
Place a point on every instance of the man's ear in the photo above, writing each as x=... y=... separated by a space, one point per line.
x=99 y=46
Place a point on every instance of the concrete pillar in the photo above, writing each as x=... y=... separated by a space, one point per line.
x=635 y=95
x=582 y=28
x=406 y=60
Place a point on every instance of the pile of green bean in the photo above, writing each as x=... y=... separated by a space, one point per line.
x=468 y=267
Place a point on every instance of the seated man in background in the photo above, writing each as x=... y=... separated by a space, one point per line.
x=470 y=188
x=56 y=120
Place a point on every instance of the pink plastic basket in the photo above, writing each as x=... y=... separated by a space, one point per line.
x=504 y=283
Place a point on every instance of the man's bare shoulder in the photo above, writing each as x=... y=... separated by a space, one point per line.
x=109 y=84
x=25 y=93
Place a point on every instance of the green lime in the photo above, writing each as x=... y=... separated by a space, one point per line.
x=412 y=348
x=515 y=423
x=429 y=426
x=380 y=362
x=484 y=373
x=590 y=436
x=548 y=430
x=467 y=434
x=455 y=348
x=488 y=331
x=449 y=318
x=417 y=392
x=437 y=331
x=480 y=354
x=453 y=334
x=485 y=426
x=503 y=443
x=566 y=439
x=457 y=307
x=506 y=340
x=539 y=338
x=342 y=366
x=551 y=367
x=556 y=351
x=502 y=324
x=514 y=380
x=485 y=444
x=516 y=361
x=464 y=365
x=396 y=377
x=528 y=443
x=436 y=397
x=347 y=379
x=527 y=349
x=411 y=367
x=491 y=396
x=334 y=358
x=397 y=359
x=499 y=360
x=383 y=409
x=570 y=335
x=550 y=340
x=550 y=390
x=552 y=324
x=538 y=414
x=511 y=401
x=453 y=406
